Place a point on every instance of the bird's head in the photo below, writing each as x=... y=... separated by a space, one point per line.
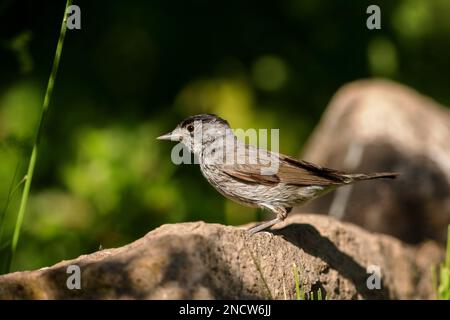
x=198 y=131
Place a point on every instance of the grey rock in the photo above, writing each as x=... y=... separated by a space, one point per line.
x=210 y=261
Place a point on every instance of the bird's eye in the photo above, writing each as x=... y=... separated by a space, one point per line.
x=190 y=128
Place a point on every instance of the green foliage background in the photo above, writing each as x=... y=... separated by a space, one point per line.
x=135 y=69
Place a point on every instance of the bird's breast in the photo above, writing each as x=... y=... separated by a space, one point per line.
x=254 y=194
x=229 y=187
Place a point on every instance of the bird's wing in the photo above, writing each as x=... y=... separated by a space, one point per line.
x=250 y=173
x=289 y=171
x=300 y=172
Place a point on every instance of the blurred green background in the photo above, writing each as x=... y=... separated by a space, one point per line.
x=136 y=69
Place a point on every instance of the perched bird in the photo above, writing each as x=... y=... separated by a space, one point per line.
x=253 y=176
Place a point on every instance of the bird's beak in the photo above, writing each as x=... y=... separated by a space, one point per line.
x=170 y=136
x=167 y=136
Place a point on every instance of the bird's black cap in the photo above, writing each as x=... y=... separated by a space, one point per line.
x=204 y=118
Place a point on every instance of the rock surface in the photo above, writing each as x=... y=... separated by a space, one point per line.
x=376 y=125
x=205 y=261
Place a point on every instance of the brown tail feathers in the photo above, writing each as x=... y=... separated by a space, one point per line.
x=370 y=176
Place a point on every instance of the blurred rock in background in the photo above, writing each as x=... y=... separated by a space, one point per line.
x=376 y=125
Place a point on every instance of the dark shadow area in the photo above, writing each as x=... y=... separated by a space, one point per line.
x=309 y=239
x=315 y=288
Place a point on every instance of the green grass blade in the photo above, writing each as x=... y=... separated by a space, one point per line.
x=34 y=152
x=434 y=281
x=297 y=282
x=319 y=294
x=443 y=284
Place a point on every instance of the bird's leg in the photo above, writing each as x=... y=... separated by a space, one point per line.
x=281 y=215
x=264 y=225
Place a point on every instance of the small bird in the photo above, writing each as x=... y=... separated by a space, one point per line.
x=253 y=176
